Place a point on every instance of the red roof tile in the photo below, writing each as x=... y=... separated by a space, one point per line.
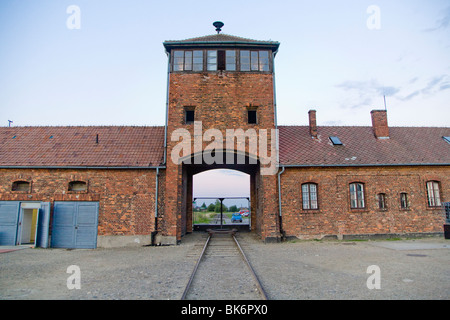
x=144 y=146
x=77 y=146
x=406 y=145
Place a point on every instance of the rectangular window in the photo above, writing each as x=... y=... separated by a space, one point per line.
x=252 y=116
x=212 y=60
x=254 y=61
x=309 y=196
x=264 y=61
x=178 y=61
x=382 y=201
x=188 y=60
x=198 y=60
x=245 y=60
x=221 y=60
x=189 y=114
x=231 y=60
x=404 y=201
x=434 y=199
x=336 y=141
x=357 y=196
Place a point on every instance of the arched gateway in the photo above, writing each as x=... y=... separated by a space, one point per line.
x=220 y=114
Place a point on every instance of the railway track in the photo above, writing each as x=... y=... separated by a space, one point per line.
x=223 y=271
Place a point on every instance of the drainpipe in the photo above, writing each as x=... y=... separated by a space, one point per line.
x=156 y=206
x=279 y=200
x=167 y=107
x=275 y=119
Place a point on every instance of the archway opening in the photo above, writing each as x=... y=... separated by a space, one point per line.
x=221 y=197
x=238 y=178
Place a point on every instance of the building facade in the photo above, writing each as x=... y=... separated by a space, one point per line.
x=88 y=187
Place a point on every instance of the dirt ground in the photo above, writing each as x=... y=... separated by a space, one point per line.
x=296 y=270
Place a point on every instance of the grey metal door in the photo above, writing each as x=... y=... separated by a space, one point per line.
x=43 y=225
x=9 y=219
x=75 y=225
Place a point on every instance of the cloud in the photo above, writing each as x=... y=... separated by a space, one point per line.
x=441 y=23
x=433 y=86
x=366 y=92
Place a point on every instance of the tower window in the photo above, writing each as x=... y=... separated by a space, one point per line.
x=254 y=60
x=252 y=119
x=212 y=60
x=189 y=115
x=188 y=60
x=198 y=60
x=245 y=60
x=230 y=60
x=221 y=60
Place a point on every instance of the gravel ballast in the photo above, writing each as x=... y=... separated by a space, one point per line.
x=293 y=270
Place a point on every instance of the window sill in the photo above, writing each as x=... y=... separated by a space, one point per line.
x=310 y=211
x=361 y=210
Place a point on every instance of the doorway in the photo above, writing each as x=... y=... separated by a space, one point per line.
x=29 y=226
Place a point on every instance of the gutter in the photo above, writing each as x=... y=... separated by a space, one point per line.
x=83 y=167
x=363 y=165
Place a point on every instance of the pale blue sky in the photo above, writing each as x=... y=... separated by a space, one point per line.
x=112 y=71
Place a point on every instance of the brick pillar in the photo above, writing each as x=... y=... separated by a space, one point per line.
x=170 y=233
x=270 y=228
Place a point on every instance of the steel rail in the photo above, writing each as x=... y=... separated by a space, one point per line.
x=252 y=271
x=183 y=297
x=243 y=256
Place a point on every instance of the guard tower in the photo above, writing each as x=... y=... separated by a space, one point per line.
x=217 y=85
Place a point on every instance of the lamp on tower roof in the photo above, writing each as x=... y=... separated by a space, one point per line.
x=218 y=25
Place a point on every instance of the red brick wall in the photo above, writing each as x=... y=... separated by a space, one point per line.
x=126 y=197
x=221 y=101
x=335 y=217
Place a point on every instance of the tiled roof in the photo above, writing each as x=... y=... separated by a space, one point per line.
x=406 y=145
x=141 y=147
x=221 y=38
x=77 y=146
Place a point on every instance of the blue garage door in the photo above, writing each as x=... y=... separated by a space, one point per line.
x=75 y=225
x=9 y=219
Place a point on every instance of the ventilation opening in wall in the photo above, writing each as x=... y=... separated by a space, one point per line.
x=21 y=186
x=77 y=186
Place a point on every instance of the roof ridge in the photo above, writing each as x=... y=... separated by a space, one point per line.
x=221 y=37
x=85 y=126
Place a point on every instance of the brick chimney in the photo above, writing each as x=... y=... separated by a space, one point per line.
x=312 y=123
x=380 y=124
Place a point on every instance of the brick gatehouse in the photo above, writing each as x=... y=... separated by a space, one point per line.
x=88 y=187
